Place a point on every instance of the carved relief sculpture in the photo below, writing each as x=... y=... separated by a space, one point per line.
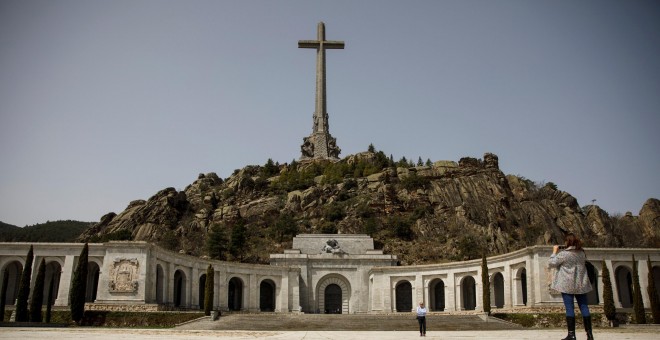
x=124 y=276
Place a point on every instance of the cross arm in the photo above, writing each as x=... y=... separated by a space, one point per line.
x=328 y=44
x=333 y=44
x=308 y=43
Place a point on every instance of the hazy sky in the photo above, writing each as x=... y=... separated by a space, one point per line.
x=105 y=102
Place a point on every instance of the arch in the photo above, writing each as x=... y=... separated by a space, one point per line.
x=403 y=293
x=342 y=283
x=92 y=281
x=623 y=278
x=521 y=287
x=656 y=279
x=53 y=274
x=179 y=288
x=592 y=272
x=13 y=270
x=235 y=293
x=267 y=296
x=469 y=293
x=497 y=287
x=160 y=282
x=202 y=291
x=437 y=295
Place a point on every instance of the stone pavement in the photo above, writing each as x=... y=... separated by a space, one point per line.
x=636 y=333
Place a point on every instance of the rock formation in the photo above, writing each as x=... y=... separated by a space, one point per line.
x=446 y=211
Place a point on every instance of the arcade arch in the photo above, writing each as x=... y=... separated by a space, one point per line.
x=235 y=293
x=497 y=288
x=13 y=270
x=92 y=284
x=404 y=301
x=592 y=296
x=468 y=293
x=179 y=288
x=624 y=286
x=267 y=296
x=437 y=295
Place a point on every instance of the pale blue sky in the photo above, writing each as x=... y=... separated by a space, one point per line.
x=105 y=102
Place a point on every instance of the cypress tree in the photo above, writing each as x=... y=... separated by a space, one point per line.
x=653 y=293
x=79 y=287
x=608 y=296
x=3 y=294
x=208 y=290
x=37 y=299
x=485 y=285
x=50 y=298
x=22 y=314
x=638 y=303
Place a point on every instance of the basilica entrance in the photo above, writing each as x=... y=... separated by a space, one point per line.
x=332 y=299
x=333 y=294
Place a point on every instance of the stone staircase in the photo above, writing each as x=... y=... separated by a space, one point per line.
x=346 y=322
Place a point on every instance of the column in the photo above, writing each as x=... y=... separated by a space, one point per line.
x=65 y=281
x=419 y=291
x=195 y=303
x=252 y=292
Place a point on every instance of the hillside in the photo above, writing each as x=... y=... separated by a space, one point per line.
x=57 y=231
x=426 y=213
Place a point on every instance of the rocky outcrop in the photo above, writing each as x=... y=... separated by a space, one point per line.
x=446 y=211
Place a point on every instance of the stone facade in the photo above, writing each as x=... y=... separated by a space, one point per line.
x=321 y=274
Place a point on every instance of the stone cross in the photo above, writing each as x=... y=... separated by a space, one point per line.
x=320 y=145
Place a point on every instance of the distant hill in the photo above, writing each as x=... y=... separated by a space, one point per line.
x=57 y=231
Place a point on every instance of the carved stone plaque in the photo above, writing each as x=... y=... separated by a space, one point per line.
x=124 y=276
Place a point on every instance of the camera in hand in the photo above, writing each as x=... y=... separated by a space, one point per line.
x=562 y=247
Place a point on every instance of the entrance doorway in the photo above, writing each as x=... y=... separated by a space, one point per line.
x=332 y=299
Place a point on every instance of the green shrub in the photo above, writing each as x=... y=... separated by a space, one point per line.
x=414 y=182
x=208 y=290
x=22 y=314
x=638 y=303
x=485 y=284
x=334 y=212
x=653 y=293
x=608 y=297
x=38 y=293
x=79 y=286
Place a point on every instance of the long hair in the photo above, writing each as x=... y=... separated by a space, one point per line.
x=572 y=241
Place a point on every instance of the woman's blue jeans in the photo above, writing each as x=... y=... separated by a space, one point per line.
x=582 y=303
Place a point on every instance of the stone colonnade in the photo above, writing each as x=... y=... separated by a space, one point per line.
x=141 y=276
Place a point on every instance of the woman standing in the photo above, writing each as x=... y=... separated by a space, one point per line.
x=573 y=282
x=421 y=318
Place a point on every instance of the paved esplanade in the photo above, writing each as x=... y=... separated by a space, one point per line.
x=649 y=333
x=320 y=144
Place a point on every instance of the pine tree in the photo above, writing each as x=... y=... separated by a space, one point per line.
x=638 y=303
x=653 y=293
x=208 y=290
x=37 y=300
x=238 y=241
x=428 y=162
x=22 y=314
x=216 y=243
x=419 y=161
x=79 y=287
x=49 y=301
x=371 y=148
x=485 y=285
x=3 y=294
x=608 y=296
